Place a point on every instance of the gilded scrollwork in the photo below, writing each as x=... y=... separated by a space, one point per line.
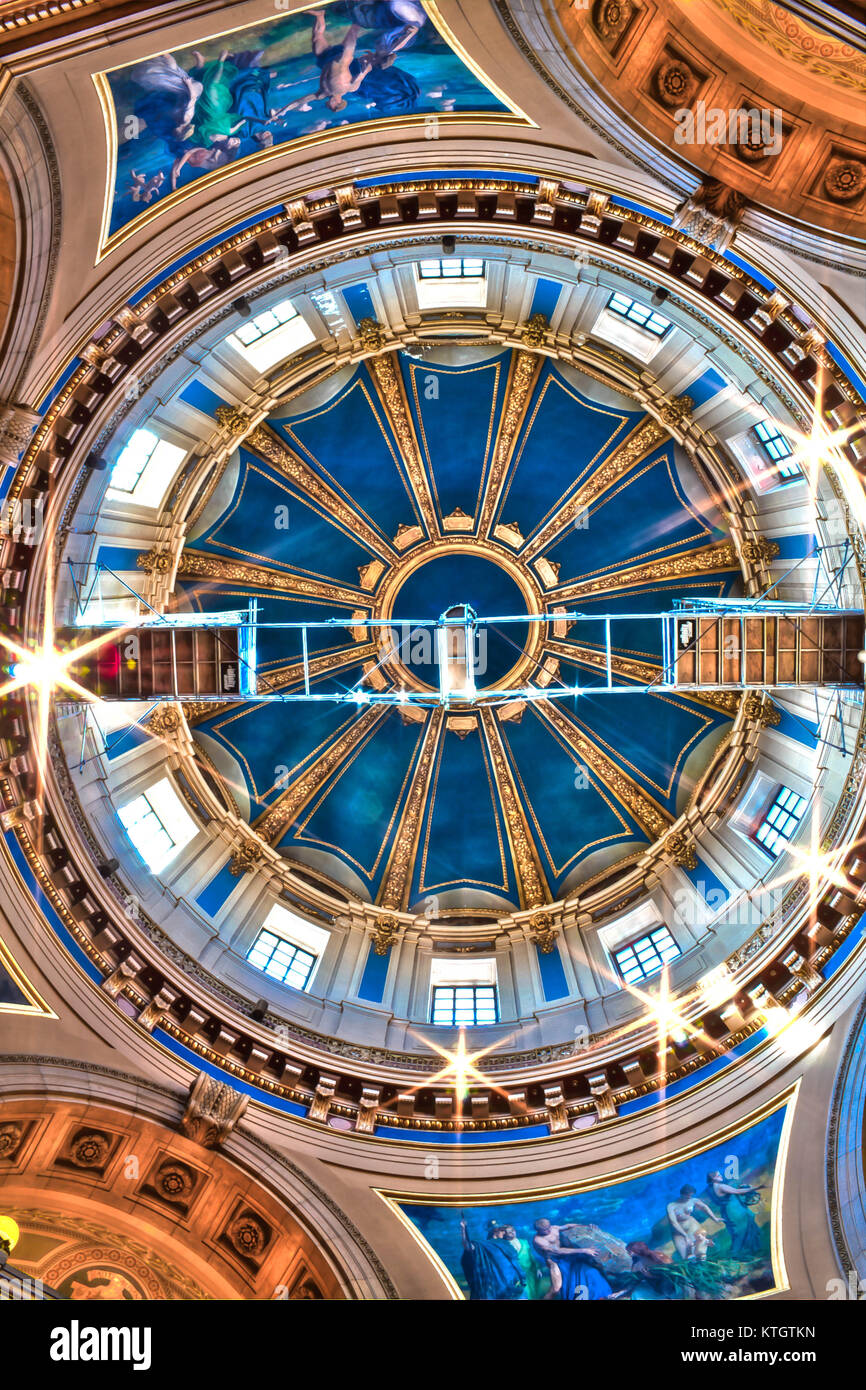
x=533 y=889
x=193 y=564
x=525 y=368
x=623 y=458
x=270 y=447
x=654 y=821
x=397 y=880
x=386 y=375
x=717 y=558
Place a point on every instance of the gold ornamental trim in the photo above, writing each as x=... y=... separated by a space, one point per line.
x=396 y=883
x=522 y=377
x=531 y=882
x=392 y=393
x=193 y=564
x=717 y=558
x=651 y=817
x=274 y=451
x=276 y=820
x=622 y=460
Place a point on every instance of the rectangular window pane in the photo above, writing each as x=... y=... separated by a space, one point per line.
x=158 y=824
x=464 y=1005
x=453 y=268
x=646 y=955
x=778 y=449
x=281 y=959
x=132 y=460
x=641 y=314
x=780 y=820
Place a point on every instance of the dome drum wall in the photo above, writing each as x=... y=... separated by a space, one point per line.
x=162 y=574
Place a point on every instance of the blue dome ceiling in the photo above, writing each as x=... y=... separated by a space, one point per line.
x=325 y=514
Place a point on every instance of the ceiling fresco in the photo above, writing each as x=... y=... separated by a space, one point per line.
x=413 y=487
x=176 y=117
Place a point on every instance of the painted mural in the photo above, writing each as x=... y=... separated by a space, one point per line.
x=699 y=1229
x=178 y=116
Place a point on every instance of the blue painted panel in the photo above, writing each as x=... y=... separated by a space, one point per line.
x=849 y=945
x=202 y=398
x=121 y=741
x=649 y=735
x=646 y=516
x=641 y=207
x=750 y=270
x=217 y=892
x=842 y=361
x=463 y=838
x=445 y=174
x=706 y=386
x=552 y=974
x=119 y=557
x=456 y=423
x=249 y=530
x=58 y=385
x=372 y=986
x=569 y=810
x=9 y=990
x=546 y=297
x=360 y=302
x=268 y=737
x=795 y=547
x=355 y=815
x=798 y=727
x=562 y=440
x=348 y=440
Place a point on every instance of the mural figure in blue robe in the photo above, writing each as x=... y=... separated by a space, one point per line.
x=491 y=1268
x=573 y=1271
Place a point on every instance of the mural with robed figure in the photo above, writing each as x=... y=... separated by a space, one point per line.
x=703 y=1227
x=177 y=116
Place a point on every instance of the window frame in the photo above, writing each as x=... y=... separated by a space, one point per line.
x=781 y=463
x=462 y=273
x=643 y=323
x=161 y=462
x=452 y=989
x=254 y=321
x=646 y=943
x=775 y=841
x=158 y=864
x=297 y=951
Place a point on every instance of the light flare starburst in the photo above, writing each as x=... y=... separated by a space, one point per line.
x=44 y=670
x=461 y=1068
